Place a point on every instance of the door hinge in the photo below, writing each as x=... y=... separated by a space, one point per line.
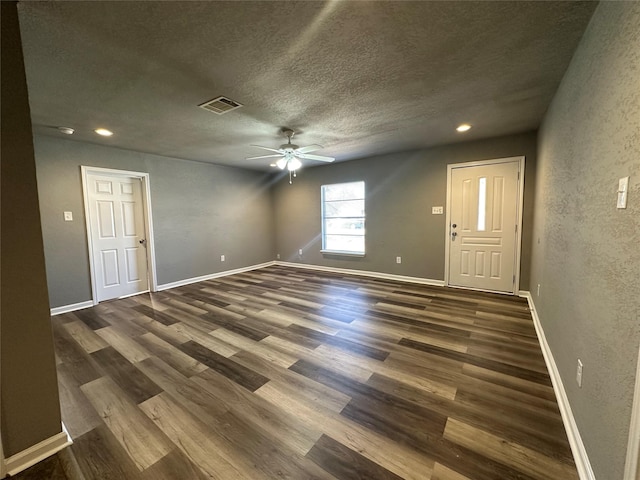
x=518 y=174
x=514 y=279
x=516 y=228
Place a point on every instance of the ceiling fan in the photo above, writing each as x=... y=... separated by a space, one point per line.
x=290 y=154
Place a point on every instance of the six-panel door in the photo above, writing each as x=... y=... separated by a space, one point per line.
x=117 y=230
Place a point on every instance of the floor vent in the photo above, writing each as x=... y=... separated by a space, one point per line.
x=220 y=105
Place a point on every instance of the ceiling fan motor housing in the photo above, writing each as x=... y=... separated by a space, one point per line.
x=288 y=147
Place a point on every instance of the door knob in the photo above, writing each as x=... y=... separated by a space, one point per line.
x=454 y=225
x=454 y=234
x=142 y=241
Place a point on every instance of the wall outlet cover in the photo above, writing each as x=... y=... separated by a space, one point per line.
x=437 y=210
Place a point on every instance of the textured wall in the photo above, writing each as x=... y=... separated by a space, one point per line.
x=200 y=211
x=30 y=408
x=400 y=190
x=586 y=254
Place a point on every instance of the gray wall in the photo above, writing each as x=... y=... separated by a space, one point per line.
x=400 y=190
x=586 y=255
x=200 y=211
x=29 y=399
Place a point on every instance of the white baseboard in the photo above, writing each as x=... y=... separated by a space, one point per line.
x=188 y=281
x=34 y=454
x=364 y=273
x=585 y=472
x=71 y=308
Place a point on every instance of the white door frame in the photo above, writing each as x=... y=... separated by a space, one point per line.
x=631 y=467
x=148 y=223
x=520 y=208
x=3 y=462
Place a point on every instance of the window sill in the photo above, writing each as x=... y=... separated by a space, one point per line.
x=342 y=254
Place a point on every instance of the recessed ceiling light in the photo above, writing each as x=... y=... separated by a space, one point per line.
x=104 y=132
x=66 y=130
x=464 y=127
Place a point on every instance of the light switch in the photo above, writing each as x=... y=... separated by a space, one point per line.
x=437 y=210
x=623 y=186
x=68 y=216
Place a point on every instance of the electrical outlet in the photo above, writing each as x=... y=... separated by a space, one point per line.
x=277 y=256
x=437 y=210
x=300 y=252
x=68 y=216
x=222 y=258
x=398 y=259
x=579 y=373
x=538 y=290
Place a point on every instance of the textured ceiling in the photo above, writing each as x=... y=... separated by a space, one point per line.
x=360 y=78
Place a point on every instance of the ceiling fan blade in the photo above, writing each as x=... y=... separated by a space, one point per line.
x=267 y=148
x=264 y=156
x=320 y=158
x=309 y=148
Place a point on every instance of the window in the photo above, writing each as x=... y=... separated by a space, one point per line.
x=482 y=203
x=343 y=218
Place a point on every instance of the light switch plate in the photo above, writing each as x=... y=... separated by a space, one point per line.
x=623 y=187
x=579 y=374
x=68 y=216
x=437 y=210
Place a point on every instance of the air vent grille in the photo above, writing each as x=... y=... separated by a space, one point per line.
x=220 y=105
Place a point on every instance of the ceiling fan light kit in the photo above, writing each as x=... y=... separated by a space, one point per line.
x=289 y=154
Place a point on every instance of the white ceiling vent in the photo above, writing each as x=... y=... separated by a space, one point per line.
x=220 y=105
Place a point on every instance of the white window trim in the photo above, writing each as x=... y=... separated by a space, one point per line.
x=326 y=251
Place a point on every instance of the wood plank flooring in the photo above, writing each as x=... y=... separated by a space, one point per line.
x=295 y=374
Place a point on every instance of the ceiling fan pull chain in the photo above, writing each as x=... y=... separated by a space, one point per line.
x=290 y=182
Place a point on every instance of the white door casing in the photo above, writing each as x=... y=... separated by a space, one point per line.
x=3 y=462
x=484 y=205
x=119 y=233
x=632 y=463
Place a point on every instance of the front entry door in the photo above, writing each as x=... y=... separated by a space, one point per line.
x=484 y=213
x=117 y=229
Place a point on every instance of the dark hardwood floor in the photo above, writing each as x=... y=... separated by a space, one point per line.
x=295 y=374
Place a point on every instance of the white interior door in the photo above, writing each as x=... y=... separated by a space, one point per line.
x=117 y=230
x=483 y=237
